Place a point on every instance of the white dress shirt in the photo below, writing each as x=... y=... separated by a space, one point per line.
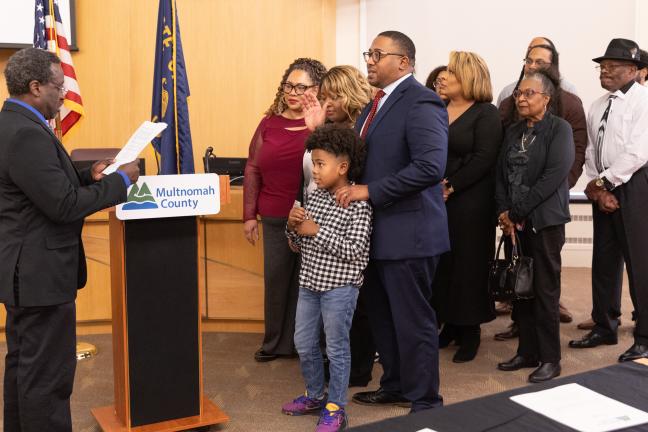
x=388 y=90
x=625 y=144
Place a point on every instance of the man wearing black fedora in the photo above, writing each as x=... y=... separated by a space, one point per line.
x=615 y=159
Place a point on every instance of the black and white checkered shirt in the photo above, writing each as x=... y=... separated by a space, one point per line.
x=339 y=253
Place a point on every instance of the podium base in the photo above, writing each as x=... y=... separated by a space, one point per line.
x=109 y=422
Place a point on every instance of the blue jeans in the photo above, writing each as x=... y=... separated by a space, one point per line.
x=335 y=310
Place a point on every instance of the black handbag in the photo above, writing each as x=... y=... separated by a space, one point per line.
x=497 y=286
x=512 y=278
x=519 y=274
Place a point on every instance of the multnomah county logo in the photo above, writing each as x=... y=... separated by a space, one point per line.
x=140 y=198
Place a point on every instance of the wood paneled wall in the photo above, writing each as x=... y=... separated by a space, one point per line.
x=235 y=50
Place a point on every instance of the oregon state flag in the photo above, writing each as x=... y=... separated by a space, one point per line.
x=170 y=94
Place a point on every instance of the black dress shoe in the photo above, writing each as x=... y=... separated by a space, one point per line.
x=516 y=363
x=594 y=339
x=635 y=352
x=262 y=356
x=380 y=397
x=512 y=332
x=545 y=372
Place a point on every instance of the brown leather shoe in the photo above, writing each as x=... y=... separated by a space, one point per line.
x=503 y=308
x=512 y=332
x=586 y=325
x=589 y=324
x=565 y=315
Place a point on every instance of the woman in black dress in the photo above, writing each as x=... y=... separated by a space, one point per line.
x=461 y=296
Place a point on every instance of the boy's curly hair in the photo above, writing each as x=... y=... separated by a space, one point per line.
x=340 y=141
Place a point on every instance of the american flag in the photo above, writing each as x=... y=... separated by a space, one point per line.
x=49 y=34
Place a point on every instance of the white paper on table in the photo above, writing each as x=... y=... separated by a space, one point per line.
x=582 y=409
x=140 y=139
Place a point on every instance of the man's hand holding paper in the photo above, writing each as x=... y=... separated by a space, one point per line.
x=129 y=153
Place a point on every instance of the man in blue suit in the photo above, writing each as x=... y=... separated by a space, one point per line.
x=406 y=132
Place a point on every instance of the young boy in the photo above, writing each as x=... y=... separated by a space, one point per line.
x=334 y=245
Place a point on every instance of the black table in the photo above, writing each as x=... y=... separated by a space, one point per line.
x=625 y=382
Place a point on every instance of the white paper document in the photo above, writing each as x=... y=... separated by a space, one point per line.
x=140 y=139
x=582 y=409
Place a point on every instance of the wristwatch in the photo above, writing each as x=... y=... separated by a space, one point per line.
x=604 y=183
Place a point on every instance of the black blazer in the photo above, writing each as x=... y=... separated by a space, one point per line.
x=550 y=159
x=43 y=200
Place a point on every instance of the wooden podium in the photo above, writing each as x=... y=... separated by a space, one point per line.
x=156 y=327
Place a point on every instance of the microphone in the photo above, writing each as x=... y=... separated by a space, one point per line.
x=209 y=153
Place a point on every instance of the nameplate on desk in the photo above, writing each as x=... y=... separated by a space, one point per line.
x=171 y=196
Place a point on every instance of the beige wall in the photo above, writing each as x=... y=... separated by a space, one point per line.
x=235 y=51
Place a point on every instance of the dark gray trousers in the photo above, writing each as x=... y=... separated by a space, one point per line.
x=281 y=279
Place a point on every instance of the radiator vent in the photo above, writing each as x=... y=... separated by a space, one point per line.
x=570 y=240
x=578 y=240
x=581 y=218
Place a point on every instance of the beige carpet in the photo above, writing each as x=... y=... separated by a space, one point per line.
x=252 y=393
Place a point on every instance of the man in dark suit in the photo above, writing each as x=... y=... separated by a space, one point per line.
x=43 y=201
x=406 y=131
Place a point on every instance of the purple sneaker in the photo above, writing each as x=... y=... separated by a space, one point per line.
x=303 y=405
x=332 y=421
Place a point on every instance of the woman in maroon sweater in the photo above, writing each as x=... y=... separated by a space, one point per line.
x=273 y=176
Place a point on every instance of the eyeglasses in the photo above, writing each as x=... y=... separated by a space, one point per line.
x=300 y=89
x=439 y=81
x=61 y=88
x=609 y=67
x=527 y=93
x=377 y=55
x=540 y=63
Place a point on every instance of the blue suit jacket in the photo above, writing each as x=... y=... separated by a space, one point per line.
x=407 y=145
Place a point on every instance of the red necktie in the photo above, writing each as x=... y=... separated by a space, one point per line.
x=372 y=113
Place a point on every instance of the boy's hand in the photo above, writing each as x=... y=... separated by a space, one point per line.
x=307 y=228
x=296 y=216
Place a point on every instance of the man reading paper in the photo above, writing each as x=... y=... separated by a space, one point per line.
x=43 y=200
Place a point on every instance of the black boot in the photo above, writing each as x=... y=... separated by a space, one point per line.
x=449 y=333
x=470 y=339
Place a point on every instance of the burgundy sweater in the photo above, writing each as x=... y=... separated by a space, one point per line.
x=274 y=167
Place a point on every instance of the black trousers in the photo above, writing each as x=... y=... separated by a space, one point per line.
x=363 y=348
x=539 y=318
x=281 y=280
x=619 y=237
x=39 y=368
x=405 y=328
